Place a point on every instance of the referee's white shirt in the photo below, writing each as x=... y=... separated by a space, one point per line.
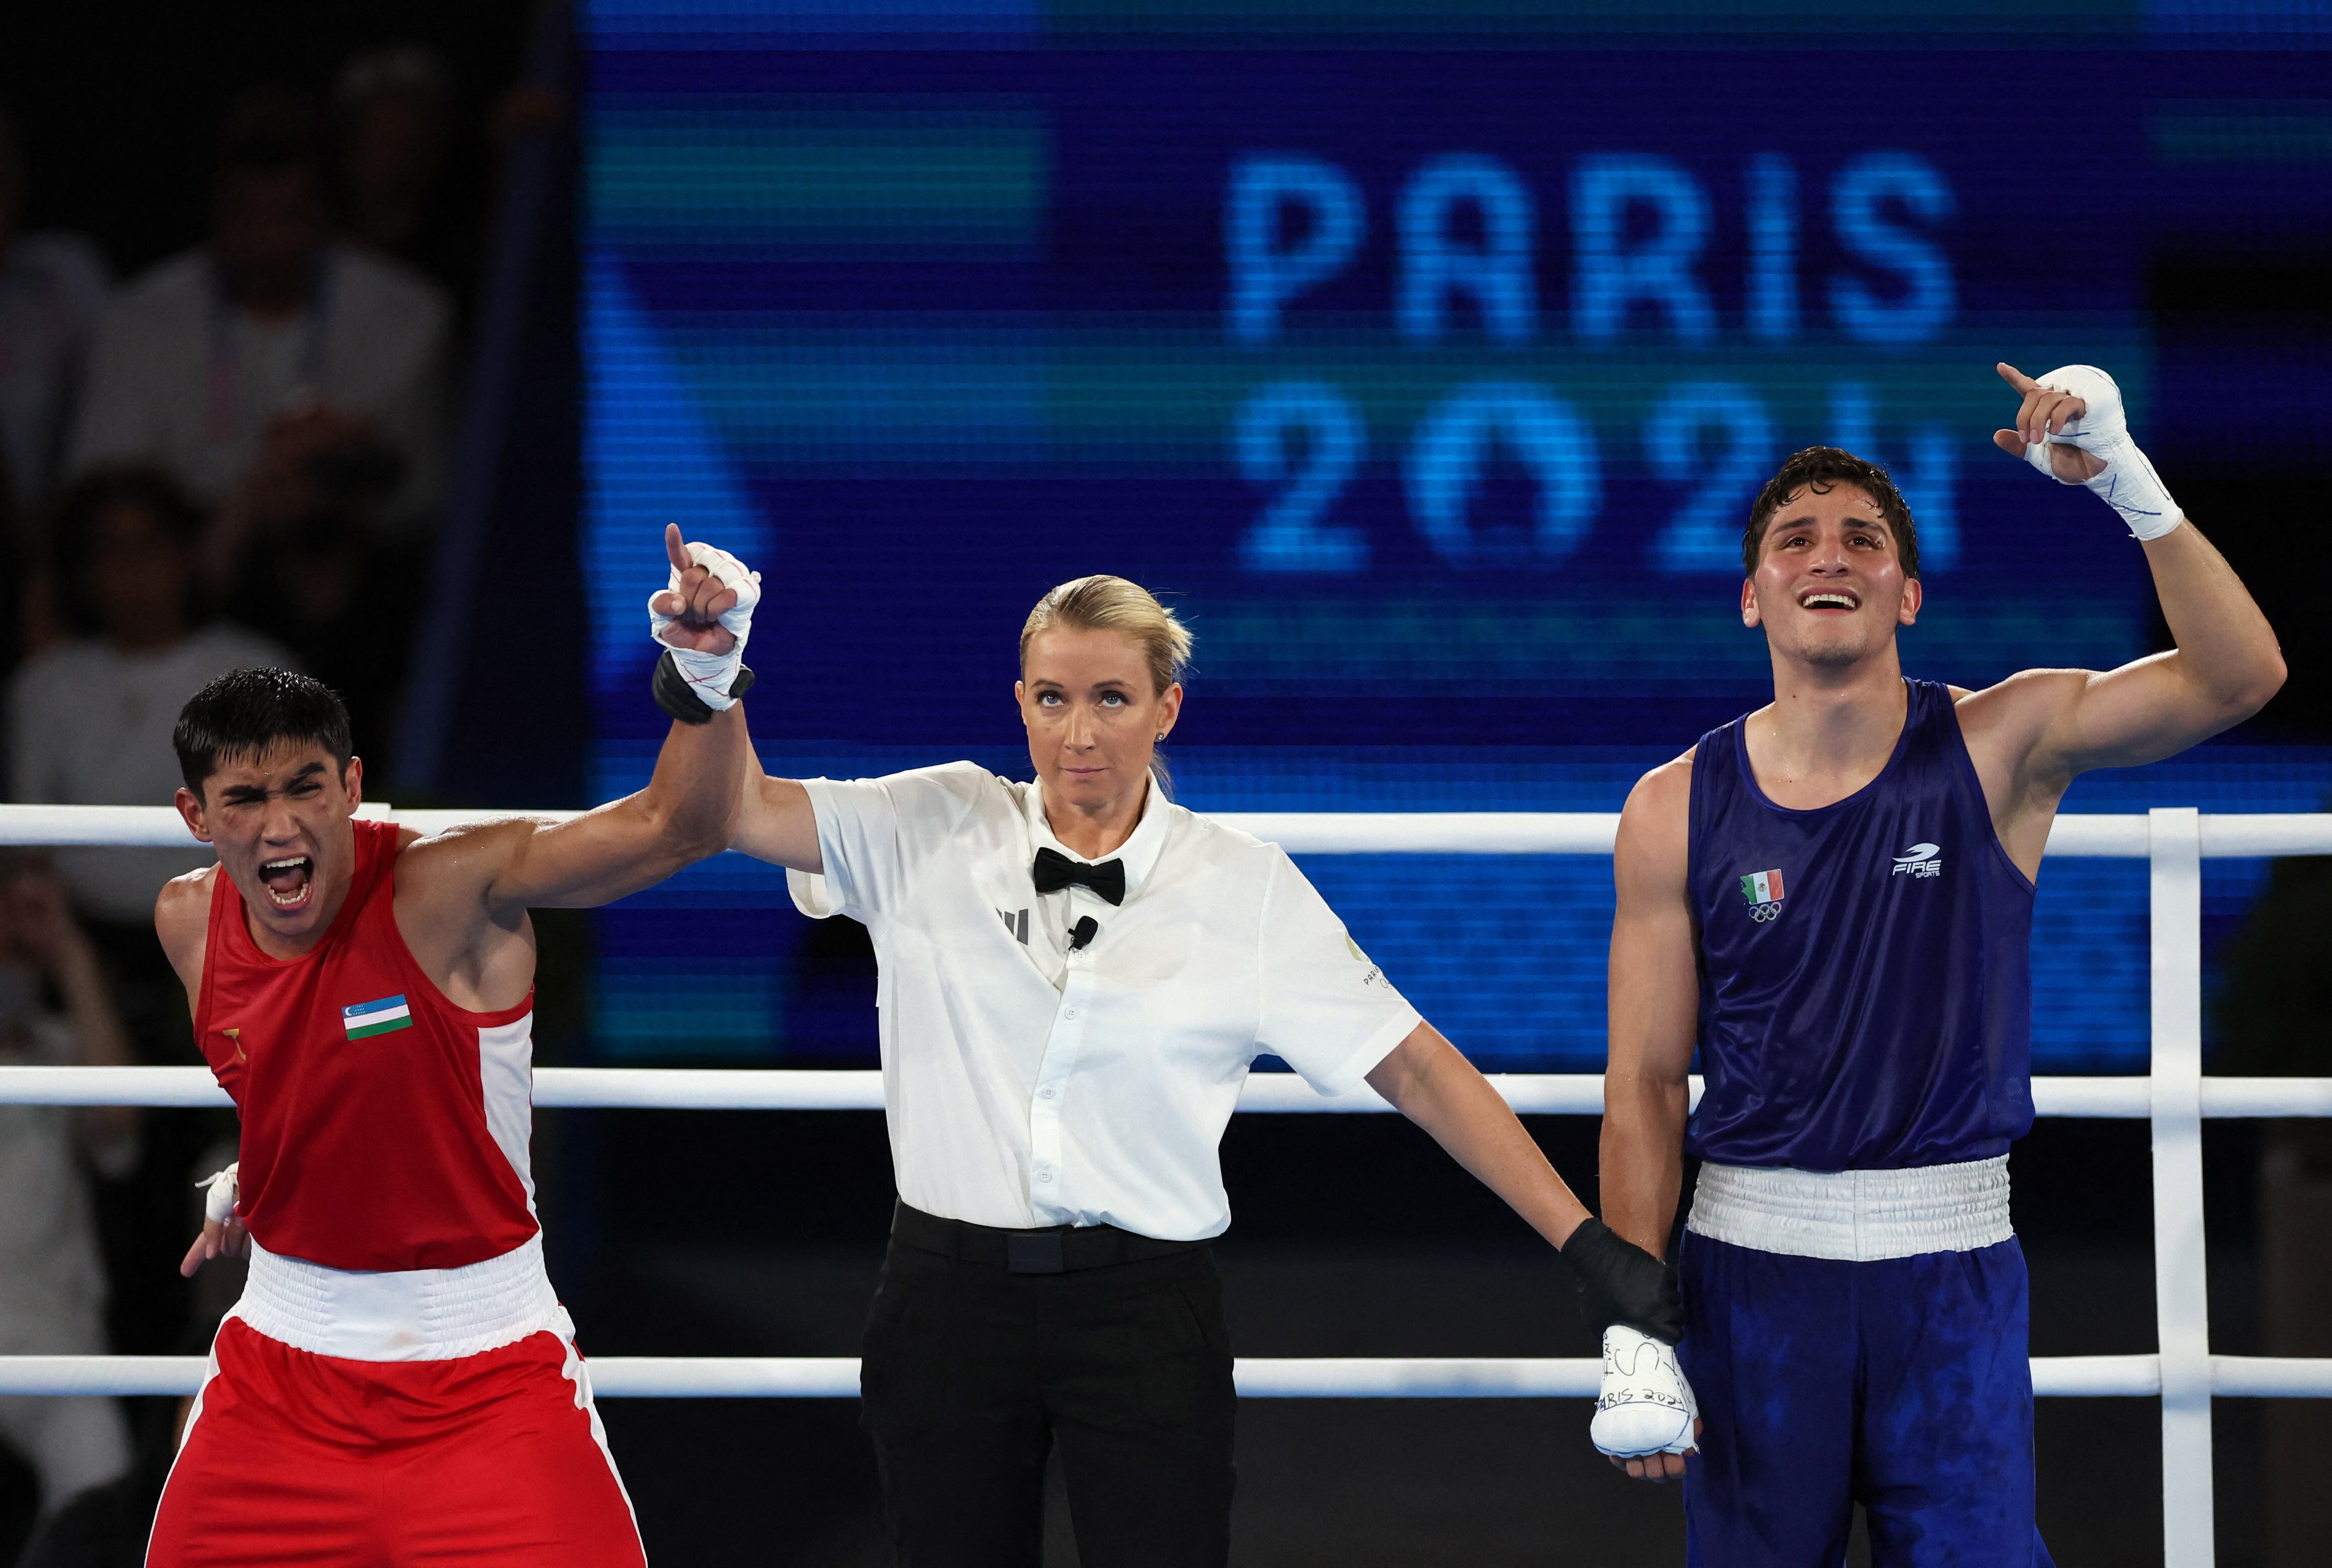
x=1029 y=1085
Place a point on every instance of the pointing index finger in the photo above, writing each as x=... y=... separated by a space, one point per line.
x=673 y=548
x=2015 y=378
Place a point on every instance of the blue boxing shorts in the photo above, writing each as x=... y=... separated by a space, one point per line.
x=1901 y=1383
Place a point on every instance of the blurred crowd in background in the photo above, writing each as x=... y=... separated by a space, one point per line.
x=236 y=456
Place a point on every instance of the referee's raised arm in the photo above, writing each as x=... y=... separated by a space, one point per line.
x=775 y=822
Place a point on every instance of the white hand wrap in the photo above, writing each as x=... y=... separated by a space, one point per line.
x=2128 y=482
x=1646 y=1406
x=219 y=1195
x=710 y=675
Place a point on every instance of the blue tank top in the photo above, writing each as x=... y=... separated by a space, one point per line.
x=1866 y=985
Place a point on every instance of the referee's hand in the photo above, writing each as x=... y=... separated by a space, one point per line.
x=1619 y=1282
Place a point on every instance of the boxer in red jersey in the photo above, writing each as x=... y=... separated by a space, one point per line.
x=398 y=1386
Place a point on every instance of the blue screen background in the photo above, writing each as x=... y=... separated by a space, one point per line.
x=1426 y=359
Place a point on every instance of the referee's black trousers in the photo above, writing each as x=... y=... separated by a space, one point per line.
x=974 y=1372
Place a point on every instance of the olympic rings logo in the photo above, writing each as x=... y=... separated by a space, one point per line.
x=1763 y=912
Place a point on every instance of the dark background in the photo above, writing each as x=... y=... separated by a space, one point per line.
x=118 y=105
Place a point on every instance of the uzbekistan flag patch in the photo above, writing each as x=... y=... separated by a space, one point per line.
x=384 y=1016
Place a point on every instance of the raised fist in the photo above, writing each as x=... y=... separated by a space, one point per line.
x=2047 y=411
x=696 y=611
x=2072 y=428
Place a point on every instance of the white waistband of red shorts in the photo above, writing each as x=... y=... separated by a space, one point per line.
x=412 y=1315
x=1857 y=1216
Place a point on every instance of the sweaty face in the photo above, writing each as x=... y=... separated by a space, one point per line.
x=1086 y=697
x=280 y=821
x=1829 y=588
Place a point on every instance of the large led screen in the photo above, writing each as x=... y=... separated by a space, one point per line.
x=1427 y=358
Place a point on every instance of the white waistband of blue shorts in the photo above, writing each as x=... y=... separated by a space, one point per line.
x=412 y=1315
x=1858 y=1216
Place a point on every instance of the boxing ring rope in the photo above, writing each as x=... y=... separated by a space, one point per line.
x=2175 y=1097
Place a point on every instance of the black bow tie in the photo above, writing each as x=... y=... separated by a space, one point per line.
x=1055 y=871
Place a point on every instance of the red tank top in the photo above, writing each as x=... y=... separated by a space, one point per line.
x=383 y=1127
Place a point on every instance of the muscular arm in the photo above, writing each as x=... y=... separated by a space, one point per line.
x=2030 y=735
x=2224 y=668
x=1655 y=998
x=182 y=922
x=2033 y=735
x=687 y=812
x=182 y=917
x=471 y=885
x=1433 y=1085
x=775 y=822
x=462 y=897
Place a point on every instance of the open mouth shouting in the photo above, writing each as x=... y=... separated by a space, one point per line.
x=289 y=881
x=1830 y=601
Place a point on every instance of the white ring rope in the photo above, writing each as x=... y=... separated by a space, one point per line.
x=2114 y=837
x=2125 y=1097
x=1267 y=1377
x=2162 y=836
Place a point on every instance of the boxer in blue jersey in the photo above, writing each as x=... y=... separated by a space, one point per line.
x=1830 y=900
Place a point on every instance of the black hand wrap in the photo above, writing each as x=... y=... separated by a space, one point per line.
x=1619 y=1282
x=673 y=695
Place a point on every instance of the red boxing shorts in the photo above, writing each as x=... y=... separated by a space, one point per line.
x=294 y=1457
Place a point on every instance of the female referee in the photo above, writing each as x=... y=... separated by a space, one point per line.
x=1076 y=975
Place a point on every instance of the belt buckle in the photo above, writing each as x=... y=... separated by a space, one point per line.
x=1034 y=1252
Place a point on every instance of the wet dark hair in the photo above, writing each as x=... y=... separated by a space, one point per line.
x=1822 y=469
x=248 y=712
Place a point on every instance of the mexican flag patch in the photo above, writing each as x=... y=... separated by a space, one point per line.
x=384 y=1016
x=1762 y=888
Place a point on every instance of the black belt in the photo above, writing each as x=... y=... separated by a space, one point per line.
x=1057 y=1250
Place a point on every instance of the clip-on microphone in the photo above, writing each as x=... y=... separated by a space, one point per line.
x=1084 y=931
